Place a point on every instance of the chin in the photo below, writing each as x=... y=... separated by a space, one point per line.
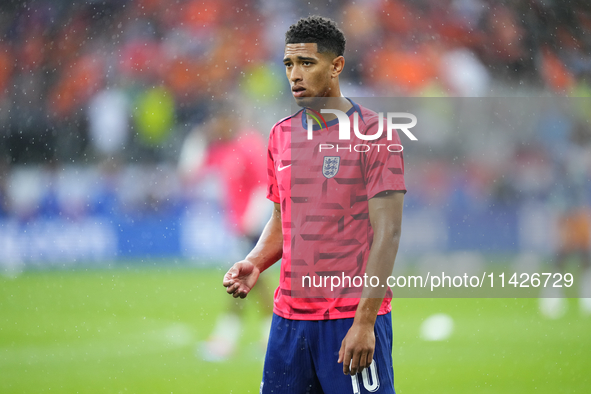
x=311 y=102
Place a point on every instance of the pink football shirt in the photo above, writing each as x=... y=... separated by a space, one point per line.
x=324 y=193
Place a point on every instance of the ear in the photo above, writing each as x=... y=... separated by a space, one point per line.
x=337 y=66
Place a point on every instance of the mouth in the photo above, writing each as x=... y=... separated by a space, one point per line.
x=298 y=91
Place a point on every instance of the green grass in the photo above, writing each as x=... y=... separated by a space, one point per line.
x=136 y=330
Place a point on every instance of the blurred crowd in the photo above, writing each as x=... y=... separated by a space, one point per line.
x=120 y=84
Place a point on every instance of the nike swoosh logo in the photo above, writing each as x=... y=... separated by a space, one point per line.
x=279 y=168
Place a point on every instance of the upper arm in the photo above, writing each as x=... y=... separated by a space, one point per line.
x=385 y=213
x=383 y=170
x=272 y=188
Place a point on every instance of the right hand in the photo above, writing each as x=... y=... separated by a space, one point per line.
x=241 y=278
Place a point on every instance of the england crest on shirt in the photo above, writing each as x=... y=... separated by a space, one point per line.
x=330 y=166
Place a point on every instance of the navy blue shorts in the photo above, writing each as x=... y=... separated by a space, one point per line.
x=302 y=358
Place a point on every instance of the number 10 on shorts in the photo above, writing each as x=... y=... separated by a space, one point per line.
x=372 y=385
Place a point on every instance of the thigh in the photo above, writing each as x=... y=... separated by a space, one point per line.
x=379 y=378
x=288 y=363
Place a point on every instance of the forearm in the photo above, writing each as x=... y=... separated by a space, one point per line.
x=358 y=346
x=380 y=264
x=269 y=247
x=385 y=214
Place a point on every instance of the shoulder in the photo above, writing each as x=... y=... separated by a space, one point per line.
x=369 y=120
x=284 y=124
x=284 y=120
x=368 y=117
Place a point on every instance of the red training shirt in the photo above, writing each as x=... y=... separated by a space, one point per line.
x=324 y=195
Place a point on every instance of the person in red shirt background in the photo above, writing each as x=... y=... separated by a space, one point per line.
x=228 y=157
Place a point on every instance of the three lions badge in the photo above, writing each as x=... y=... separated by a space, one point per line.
x=330 y=166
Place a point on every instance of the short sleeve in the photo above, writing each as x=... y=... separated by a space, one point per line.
x=383 y=166
x=272 y=190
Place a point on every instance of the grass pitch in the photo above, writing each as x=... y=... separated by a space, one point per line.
x=136 y=330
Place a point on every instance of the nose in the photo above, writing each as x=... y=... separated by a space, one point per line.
x=295 y=76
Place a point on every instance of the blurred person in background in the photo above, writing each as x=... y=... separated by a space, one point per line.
x=227 y=157
x=570 y=200
x=108 y=122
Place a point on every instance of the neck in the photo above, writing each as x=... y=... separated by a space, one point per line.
x=338 y=102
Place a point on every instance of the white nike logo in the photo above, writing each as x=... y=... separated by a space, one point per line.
x=279 y=168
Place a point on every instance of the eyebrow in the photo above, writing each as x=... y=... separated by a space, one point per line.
x=300 y=58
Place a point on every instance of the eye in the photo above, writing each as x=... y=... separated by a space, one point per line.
x=307 y=63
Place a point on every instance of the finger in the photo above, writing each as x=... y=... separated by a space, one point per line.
x=341 y=353
x=228 y=282
x=232 y=289
x=369 y=358
x=346 y=362
x=354 y=363
x=362 y=361
x=240 y=292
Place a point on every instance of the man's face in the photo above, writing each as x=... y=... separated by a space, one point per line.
x=221 y=128
x=308 y=72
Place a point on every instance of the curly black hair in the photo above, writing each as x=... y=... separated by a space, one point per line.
x=319 y=30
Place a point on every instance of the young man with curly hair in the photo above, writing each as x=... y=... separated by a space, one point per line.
x=336 y=212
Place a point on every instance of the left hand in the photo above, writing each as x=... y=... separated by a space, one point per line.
x=357 y=348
